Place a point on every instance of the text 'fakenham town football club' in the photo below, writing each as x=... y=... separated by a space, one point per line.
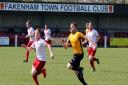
x=58 y=7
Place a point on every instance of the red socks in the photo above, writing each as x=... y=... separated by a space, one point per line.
x=92 y=64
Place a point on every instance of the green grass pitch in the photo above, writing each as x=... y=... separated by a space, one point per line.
x=113 y=69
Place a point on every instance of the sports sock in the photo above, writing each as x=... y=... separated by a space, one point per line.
x=97 y=60
x=92 y=64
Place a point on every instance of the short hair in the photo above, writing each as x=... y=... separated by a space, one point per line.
x=74 y=23
x=38 y=29
x=29 y=22
x=90 y=22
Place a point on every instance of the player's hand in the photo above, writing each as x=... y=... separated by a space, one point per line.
x=94 y=44
x=51 y=55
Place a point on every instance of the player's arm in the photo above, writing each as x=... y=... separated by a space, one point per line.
x=50 y=51
x=27 y=36
x=32 y=34
x=27 y=48
x=65 y=45
x=86 y=39
x=98 y=38
x=49 y=48
x=50 y=32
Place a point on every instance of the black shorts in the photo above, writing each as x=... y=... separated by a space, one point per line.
x=75 y=61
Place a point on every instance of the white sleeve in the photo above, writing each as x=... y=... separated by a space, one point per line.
x=49 y=31
x=43 y=42
x=86 y=35
x=96 y=33
x=32 y=30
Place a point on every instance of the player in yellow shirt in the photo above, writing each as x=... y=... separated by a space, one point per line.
x=75 y=40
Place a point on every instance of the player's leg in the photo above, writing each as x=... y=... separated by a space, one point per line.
x=40 y=67
x=92 y=63
x=37 y=69
x=94 y=58
x=27 y=52
x=34 y=75
x=78 y=73
x=43 y=71
x=88 y=51
x=74 y=65
x=91 y=58
x=34 y=71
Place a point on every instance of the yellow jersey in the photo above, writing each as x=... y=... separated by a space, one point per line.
x=75 y=40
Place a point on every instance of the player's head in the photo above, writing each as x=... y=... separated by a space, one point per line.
x=46 y=26
x=37 y=33
x=90 y=25
x=73 y=27
x=28 y=24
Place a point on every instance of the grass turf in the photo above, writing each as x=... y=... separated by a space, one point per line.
x=113 y=69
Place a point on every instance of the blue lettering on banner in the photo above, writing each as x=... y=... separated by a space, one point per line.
x=23 y=7
x=10 y=6
x=61 y=7
x=49 y=7
x=100 y=8
x=70 y=7
x=106 y=8
x=75 y=8
x=58 y=7
x=94 y=9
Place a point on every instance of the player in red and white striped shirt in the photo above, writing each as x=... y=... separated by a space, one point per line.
x=40 y=59
x=92 y=35
x=30 y=35
x=47 y=36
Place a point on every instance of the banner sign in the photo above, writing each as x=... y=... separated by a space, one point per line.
x=52 y=7
x=4 y=40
